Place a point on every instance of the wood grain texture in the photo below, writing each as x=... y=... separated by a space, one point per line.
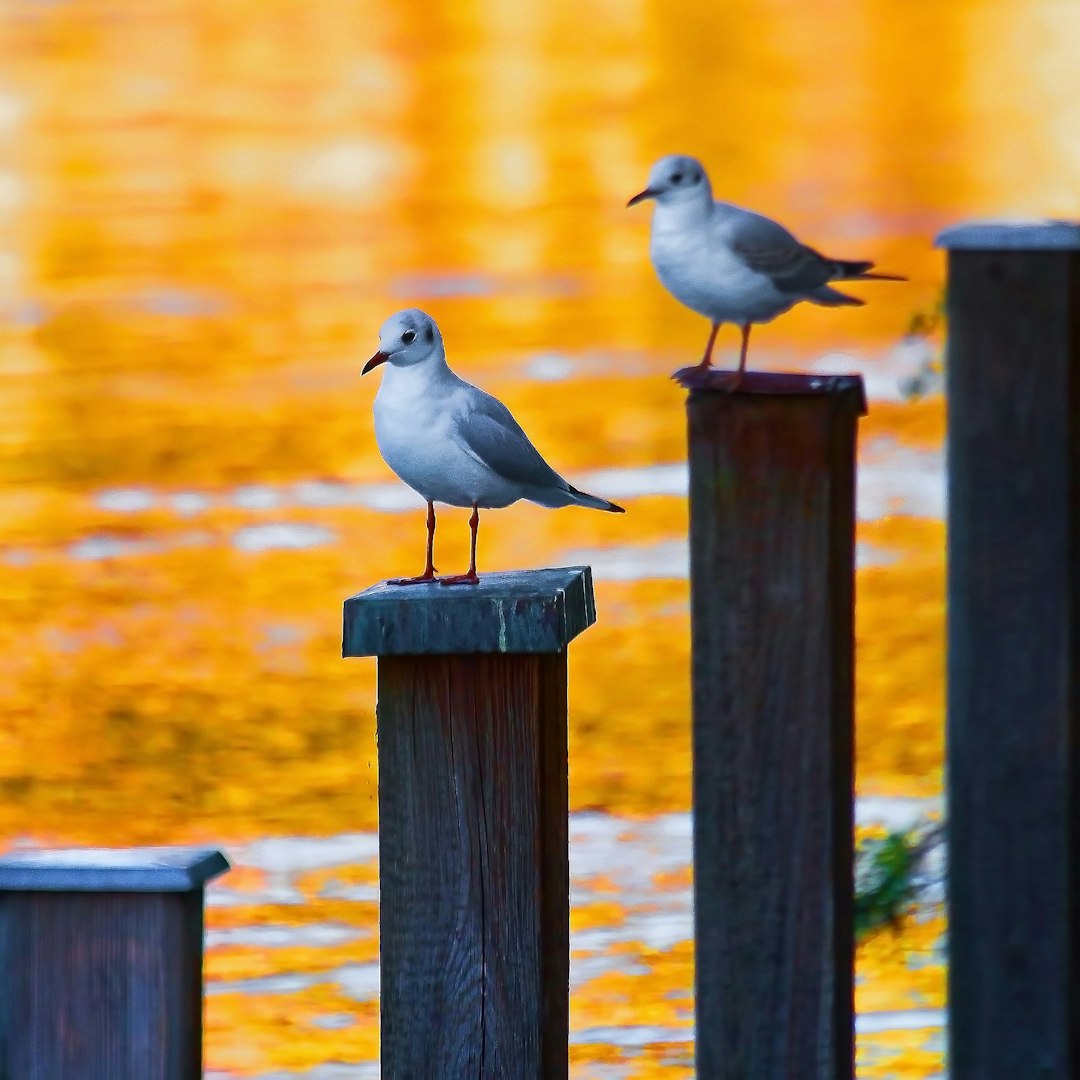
x=96 y=985
x=772 y=585
x=1013 y=764
x=524 y=611
x=474 y=868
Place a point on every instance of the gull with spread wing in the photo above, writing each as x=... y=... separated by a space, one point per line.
x=732 y=265
x=451 y=442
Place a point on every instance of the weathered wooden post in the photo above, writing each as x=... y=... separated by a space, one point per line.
x=473 y=857
x=101 y=957
x=772 y=563
x=1013 y=729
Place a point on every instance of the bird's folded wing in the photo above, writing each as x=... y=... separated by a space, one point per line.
x=768 y=248
x=490 y=435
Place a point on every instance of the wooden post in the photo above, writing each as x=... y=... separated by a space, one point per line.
x=101 y=963
x=1013 y=728
x=772 y=562
x=473 y=857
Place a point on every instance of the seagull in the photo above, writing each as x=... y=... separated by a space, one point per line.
x=732 y=265
x=451 y=442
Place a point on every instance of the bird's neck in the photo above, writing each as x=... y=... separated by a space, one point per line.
x=417 y=379
x=681 y=215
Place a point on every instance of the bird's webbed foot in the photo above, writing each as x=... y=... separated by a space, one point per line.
x=425 y=578
x=470 y=578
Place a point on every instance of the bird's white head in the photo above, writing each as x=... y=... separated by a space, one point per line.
x=676 y=178
x=406 y=339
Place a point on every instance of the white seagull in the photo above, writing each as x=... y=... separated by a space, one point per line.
x=451 y=442
x=732 y=265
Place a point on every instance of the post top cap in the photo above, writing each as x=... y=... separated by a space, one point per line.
x=523 y=611
x=773 y=384
x=1011 y=234
x=141 y=869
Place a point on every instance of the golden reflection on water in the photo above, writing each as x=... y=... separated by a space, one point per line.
x=207 y=210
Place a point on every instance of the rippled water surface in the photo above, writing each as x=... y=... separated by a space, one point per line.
x=206 y=211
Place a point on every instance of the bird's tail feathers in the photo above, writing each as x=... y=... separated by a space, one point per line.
x=581 y=498
x=555 y=497
x=859 y=270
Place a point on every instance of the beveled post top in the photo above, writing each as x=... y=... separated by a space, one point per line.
x=773 y=384
x=523 y=611
x=1011 y=234
x=141 y=869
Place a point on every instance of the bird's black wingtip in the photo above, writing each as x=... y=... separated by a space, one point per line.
x=595 y=501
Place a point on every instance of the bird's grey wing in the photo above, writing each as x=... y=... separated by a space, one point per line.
x=490 y=434
x=768 y=248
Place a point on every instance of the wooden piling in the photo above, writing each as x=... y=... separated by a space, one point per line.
x=772 y=561
x=473 y=803
x=101 y=963
x=1013 y=727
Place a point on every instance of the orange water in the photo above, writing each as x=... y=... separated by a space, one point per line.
x=207 y=210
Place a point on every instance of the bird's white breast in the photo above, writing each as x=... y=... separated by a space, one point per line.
x=694 y=260
x=417 y=424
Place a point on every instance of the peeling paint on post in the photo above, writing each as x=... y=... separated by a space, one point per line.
x=473 y=803
x=772 y=567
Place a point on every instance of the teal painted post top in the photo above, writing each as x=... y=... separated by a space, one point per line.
x=114 y=870
x=523 y=611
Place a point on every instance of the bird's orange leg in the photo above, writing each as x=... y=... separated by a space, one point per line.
x=733 y=380
x=706 y=360
x=471 y=577
x=745 y=346
x=742 y=357
x=705 y=363
x=429 y=570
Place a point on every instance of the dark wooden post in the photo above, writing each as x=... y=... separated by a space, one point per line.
x=1013 y=752
x=772 y=563
x=473 y=857
x=101 y=963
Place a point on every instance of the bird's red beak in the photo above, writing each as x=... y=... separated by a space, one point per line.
x=374 y=362
x=641 y=196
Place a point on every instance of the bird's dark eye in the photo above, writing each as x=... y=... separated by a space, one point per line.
x=409 y=337
x=676 y=178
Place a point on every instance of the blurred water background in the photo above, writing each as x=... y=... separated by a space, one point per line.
x=206 y=211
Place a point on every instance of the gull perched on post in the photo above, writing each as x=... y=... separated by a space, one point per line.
x=453 y=443
x=732 y=265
